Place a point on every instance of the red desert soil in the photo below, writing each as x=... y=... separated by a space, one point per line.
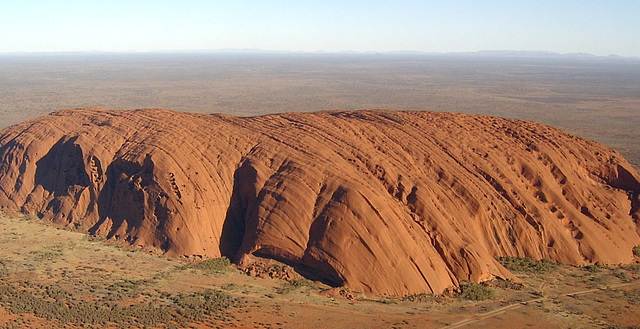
x=379 y=201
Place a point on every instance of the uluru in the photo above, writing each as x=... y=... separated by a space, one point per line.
x=379 y=201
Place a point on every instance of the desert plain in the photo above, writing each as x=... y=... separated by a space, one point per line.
x=55 y=278
x=593 y=97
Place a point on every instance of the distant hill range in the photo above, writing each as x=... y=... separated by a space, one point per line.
x=516 y=54
x=477 y=54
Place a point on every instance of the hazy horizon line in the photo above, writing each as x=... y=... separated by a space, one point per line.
x=479 y=53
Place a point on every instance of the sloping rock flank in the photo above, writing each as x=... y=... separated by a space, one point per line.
x=384 y=202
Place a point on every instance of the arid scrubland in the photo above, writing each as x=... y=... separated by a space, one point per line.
x=596 y=98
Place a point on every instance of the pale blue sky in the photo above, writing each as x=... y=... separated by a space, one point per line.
x=596 y=27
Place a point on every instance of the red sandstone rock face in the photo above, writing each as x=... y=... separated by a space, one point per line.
x=379 y=201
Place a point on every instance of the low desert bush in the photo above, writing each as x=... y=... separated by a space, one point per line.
x=294 y=285
x=28 y=217
x=214 y=265
x=198 y=306
x=419 y=298
x=592 y=268
x=527 y=265
x=302 y=283
x=476 y=291
x=507 y=284
x=4 y=270
x=177 y=309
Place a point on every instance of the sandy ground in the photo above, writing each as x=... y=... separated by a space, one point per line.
x=39 y=256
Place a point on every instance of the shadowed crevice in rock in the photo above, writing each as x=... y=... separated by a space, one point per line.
x=626 y=181
x=61 y=168
x=127 y=199
x=240 y=205
x=309 y=268
x=313 y=264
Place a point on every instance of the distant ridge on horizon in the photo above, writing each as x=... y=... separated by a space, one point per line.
x=478 y=54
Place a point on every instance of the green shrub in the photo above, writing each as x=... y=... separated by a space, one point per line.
x=4 y=270
x=295 y=284
x=592 y=268
x=476 y=291
x=633 y=297
x=302 y=283
x=198 y=306
x=527 y=265
x=507 y=284
x=419 y=298
x=636 y=251
x=127 y=285
x=622 y=274
x=635 y=269
x=55 y=303
x=28 y=217
x=214 y=265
